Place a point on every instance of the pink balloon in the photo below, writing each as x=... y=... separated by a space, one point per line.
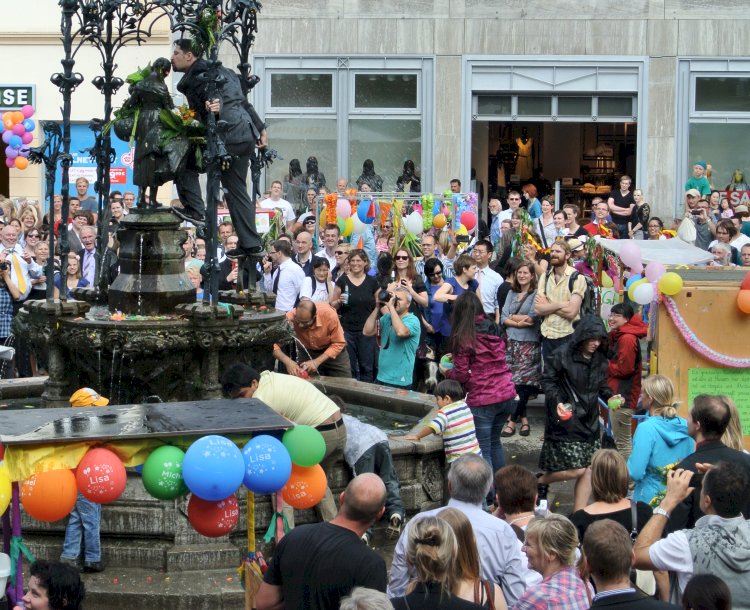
x=10 y=162
x=27 y=111
x=18 y=129
x=637 y=268
x=630 y=253
x=343 y=208
x=654 y=270
x=27 y=137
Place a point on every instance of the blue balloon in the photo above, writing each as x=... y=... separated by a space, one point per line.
x=632 y=280
x=2 y=125
x=363 y=208
x=15 y=141
x=29 y=124
x=213 y=468
x=267 y=465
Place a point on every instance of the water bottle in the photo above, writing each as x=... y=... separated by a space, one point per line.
x=345 y=296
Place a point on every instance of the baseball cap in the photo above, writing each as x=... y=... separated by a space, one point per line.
x=693 y=193
x=741 y=208
x=306 y=216
x=86 y=397
x=575 y=245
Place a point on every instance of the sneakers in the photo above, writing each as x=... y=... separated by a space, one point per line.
x=395 y=523
x=73 y=563
x=93 y=566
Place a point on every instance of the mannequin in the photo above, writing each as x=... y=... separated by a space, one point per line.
x=525 y=161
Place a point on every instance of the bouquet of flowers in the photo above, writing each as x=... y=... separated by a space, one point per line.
x=182 y=122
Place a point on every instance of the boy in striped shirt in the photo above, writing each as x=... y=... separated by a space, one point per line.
x=453 y=421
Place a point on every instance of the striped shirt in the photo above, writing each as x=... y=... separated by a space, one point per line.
x=456 y=425
x=555 y=326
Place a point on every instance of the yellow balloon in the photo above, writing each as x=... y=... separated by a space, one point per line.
x=606 y=280
x=670 y=283
x=5 y=490
x=348 y=227
x=462 y=230
x=633 y=286
x=438 y=221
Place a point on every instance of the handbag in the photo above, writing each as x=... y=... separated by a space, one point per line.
x=686 y=231
x=489 y=592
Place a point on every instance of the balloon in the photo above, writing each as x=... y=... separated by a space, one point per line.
x=343 y=208
x=469 y=221
x=213 y=467
x=49 y=496
x=340 y=224
x=654 y=271
x=305 y=487
x=27 y=137
x=267 y=464
x=11 y=152
x=446 y=361
x=15 y=141
x=10 y=163
x=745 y=285
x=5 y=490
x=363 y=209
x=633 y=286
x=162 y=473
x=7 y=135
x=643 y=294
x=21 y=162
x=101 y=477
x=18 y=129
x=462 y=230
x=29 y=125
x=630 y=253
x=438 y=221
x=606 y=280
x=743 y=301
x=305 y=445
x=637 y=268
x=414 y=223
x=27 y=111
x=213 y=519
x=632 y=280
x=8 y=121
x=17 y=116
x=348 y=227
x=670 y=283
x=357 y=225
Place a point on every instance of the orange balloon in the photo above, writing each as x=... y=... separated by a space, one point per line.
x=305 y=487
x=8 y=120
x=101 y=476
x=743 y=301
x=21 y=162
x=17 y=116
x=49 y=496
x=438 y=221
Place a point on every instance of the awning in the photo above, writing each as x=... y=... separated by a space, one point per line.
x=666 y=251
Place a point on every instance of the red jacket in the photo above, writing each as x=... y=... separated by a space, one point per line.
x=624 y=369
x=482 y=368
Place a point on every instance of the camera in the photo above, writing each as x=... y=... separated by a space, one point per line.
x=384 y=296
x=4 y=266
x=696 y=212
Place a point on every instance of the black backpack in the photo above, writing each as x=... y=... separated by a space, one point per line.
x=588 y=303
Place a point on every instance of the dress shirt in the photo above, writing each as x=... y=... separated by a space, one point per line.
x=88 y=265
x=325 y=335
x=331 y=259
x=499 y=554
x=489 y=281
x=290 y=277
x=29 y=270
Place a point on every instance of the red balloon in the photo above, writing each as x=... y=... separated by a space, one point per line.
x=49 y=496
x=305 y=487
x=743 y=301
x=101 y=476
x=468 y=220
x=213 y=519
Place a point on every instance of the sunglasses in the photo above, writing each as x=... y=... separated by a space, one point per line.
x=400 y=258
x=33 y=235
x=435 y=274
x=310 y=221
x=339 y=252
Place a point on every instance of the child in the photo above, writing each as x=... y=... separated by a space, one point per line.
x=453 y=421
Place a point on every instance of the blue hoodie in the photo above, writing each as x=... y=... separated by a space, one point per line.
x=658 y=442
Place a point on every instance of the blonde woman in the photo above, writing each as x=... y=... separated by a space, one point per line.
x=732 y=436
x=659 y=442
x=73 y=279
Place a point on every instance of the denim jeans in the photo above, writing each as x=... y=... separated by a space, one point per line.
x=361 y=355
x=488 y=422
x=378 y=459
x=84 y=520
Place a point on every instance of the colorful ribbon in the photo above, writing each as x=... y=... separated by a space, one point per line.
x=271 y=531
x=18 y=546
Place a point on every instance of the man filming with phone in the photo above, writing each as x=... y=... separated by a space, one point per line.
x=397 y=333
x=705 y=229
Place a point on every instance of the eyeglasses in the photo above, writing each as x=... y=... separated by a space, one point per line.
x=33 y=235
x=307 y=324
x=339 y=252
x=435 y=274
x=400 y=258
x=273 y=251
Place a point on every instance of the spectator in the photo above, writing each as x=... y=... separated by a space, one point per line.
x=545 y=224
x=469 y=479
x=194 y=275
x=276 y=202
x=56 y=214
x=314 y=566
x=733 y=437
x=318 y=330
x=22 y=267
x=453 y=421
x=722 y=254
x=318 y=286
x=572 y=214
x=467 y=583
x=117 y=212
x=282 y=275
x=41 y=256
x=80 y=220
x=559 y=219
x=363 y=598
x=479 y=364
x=621 y=205
x=369 y=177
x=533 y=254
x=706 y=592
x=524 y=353
x=341 y=255
x=88 y=203
x=354 y=297
x=9 y=295
x=128 y=199
x=624 y=370
x=659 y=441
x=698 y=181
x=74 y=278
x=598 y=226
x=530 y=194
x=745 y=255
x=465 y=270
x=304 y=256
x=331 y=235
x=407 y=277
x=496 y=210
x=550 y=547
x=54 y=586
x=437 y=324
x=705 y=228
x=398 y=332
x=573 y=380
x=431 y=552
x=608 y=558
x=639 y=218
x=429 y=251
x=728 y=234
x=229 y=268
x=719 y=544
x=488 y=280
x=385 y=233
x=655 y=227
x=88 y=254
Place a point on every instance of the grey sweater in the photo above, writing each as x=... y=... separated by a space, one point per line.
x=530 y=333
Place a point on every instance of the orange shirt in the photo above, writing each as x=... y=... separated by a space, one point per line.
x=326 y=333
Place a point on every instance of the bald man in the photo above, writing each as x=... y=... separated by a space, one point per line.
x=314 y=566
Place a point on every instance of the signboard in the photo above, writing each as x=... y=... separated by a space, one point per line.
x=734 y=383
x=12 y=97
x=262 y=222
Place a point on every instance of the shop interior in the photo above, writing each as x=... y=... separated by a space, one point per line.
x=587 y=158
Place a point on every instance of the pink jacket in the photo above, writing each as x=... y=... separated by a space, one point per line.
x=482 y=368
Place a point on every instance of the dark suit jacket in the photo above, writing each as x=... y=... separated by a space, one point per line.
x=225 y=267
x=635 y=600
x=710 y=452
x=110 y=265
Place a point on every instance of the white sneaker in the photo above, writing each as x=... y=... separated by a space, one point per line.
x=395 y=524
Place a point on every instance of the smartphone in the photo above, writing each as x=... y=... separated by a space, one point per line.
x=696 y=480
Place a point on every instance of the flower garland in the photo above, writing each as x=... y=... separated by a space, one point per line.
x=428 y=209
x=331 y=199
x=694 y=342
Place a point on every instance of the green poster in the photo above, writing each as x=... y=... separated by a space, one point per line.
x=734 y=383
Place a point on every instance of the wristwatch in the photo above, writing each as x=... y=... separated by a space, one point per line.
x=660 y=511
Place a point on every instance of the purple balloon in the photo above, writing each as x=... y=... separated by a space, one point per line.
x=19 y=129
x=7 y=134
x=27 y=138
x=654 y=270
x=9 y=163
x=24 y=151
x=11 y=152
x=15 y=141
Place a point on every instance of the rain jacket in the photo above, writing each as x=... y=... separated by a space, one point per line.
x=587 y=378
x=658 y=442
x=482 y=368
x=624 y=369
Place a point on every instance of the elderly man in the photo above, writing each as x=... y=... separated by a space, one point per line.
x=318 y=329
x=22 y=266
x=469 y=480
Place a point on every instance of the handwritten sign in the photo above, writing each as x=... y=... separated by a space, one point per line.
x=734 y=383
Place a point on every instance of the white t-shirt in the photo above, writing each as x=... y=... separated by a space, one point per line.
x=295 y=399
x=321 y=290
x=286 y=207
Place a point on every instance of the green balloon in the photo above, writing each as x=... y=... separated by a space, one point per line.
x=305 y=445
x=162 y=473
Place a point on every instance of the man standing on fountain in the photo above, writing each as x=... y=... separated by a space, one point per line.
x=244 y=130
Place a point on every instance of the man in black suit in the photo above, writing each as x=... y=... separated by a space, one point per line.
x=707 y=422
x=608 y=557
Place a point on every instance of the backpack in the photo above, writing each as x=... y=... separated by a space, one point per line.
x=588 y=303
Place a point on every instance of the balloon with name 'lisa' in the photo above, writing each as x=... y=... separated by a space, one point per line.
x=305 y=487
x=213 y=518
x=305 y=445
x=162 y=473
x=213 y=468
x=267 y=464
x=100 y=475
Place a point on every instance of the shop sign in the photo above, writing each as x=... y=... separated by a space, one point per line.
x=12 y=97
x=738 y=197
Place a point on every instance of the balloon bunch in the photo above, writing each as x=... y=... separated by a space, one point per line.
x=644 y=290
x=17 y=129
x=743 y=297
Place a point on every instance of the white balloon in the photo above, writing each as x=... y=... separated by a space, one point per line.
x=414 y=223
x=643 y=294
x=358 y=225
